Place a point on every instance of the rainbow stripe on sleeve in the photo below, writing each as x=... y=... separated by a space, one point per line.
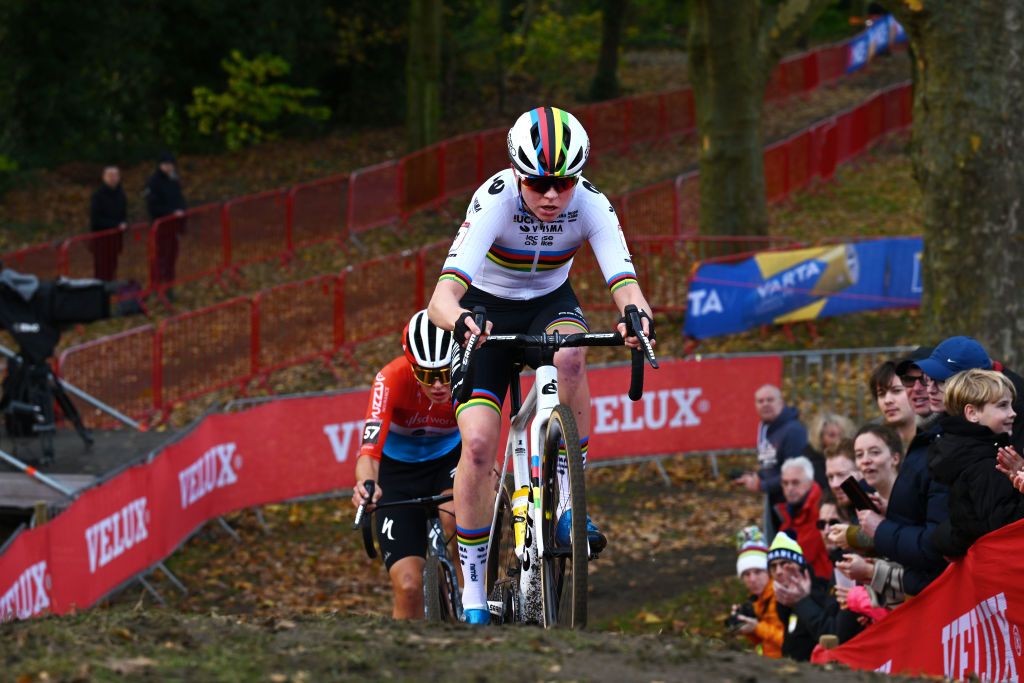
x=456 y=275
x=621 y=280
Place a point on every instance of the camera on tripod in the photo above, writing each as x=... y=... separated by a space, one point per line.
x=35 y=312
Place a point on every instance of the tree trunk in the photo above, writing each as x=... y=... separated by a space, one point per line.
x=606 y=81
x=728 y=86
x=968 y=155
x=423 y=73
x=733 y=47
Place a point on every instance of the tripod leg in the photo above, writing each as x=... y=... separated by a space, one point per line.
x=70 y=411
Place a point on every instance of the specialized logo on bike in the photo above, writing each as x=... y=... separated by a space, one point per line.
x=212 y=470
x=550 y=388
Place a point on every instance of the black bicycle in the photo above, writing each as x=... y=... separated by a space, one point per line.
x=442 y=597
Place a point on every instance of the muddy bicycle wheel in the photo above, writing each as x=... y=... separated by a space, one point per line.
x=564 y=565
x=439 y=591
x=502 y=564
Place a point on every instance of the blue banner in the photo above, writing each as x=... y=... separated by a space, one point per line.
x=803 y=284
x=880 y=37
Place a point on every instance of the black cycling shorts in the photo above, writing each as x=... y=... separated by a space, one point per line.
x=402 y=531
x=493 y=366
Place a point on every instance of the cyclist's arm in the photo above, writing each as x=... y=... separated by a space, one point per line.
x=631 y=294
x=367 y=467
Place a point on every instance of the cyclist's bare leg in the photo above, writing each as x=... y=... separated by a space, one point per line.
x=407 y=586
x=447 y=516
x=573 y=388
x=480 y=427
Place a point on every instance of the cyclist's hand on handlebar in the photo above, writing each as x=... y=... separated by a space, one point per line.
x=465 y=327
x=648 y=328
x=359 y=495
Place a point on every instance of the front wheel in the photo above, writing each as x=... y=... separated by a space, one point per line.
x=564 y=566
x=440 y=591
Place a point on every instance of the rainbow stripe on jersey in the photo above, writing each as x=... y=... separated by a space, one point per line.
x=522 y=260
x=621 y=280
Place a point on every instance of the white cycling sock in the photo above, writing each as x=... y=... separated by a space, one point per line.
x=473 y=544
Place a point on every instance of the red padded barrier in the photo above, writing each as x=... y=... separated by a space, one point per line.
x=874 y=119
x=651 y=210
x=825 y=149
x=319 y=211
x=373 y=197
x=379 y=296
x=205 y=350
x=832 y=63
x=255 y=227
x=293 y=322
x=189 y=248
x=460 y=156
x=423 y=181
x=117 y=370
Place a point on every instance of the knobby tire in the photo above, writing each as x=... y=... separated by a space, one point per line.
x=437 y=591
x=564 y=578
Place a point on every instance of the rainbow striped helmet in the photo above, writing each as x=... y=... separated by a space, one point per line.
x=547 y=141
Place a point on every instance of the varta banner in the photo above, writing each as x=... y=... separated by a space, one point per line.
x=803 y=284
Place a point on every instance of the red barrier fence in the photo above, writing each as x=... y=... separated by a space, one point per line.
x=255 y=228
x=234 y=342
x=120 y=528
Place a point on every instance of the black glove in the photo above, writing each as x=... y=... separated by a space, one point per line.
x=650 y=324
x=461 y=328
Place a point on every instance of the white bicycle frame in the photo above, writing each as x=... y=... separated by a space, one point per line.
x=530 y=423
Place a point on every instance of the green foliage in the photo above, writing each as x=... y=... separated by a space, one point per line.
x=251 y=108
x=556 y=45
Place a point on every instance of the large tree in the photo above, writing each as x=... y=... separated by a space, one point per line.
x=423 y=73
x=968 y=157
x=605 y=85
x=733 y=48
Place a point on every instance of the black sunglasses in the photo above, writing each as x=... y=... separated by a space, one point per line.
x=544 y=183
x=822 y=523
x=909 y=381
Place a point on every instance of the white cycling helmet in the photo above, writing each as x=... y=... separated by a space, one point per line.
x=426 y=345
x=547 y=141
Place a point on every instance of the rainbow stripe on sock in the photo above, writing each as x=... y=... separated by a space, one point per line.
x=584 y=443
x=472 y=537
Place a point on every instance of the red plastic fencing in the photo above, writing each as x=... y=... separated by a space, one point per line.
x=199 y=352
x=290 y=323
x=461 y=170
x=200 y=235
x=205 y=350
x=379 y=296
x=680 y=112
x=118 y=370
x=373 y=197
x=253 y=227
x=608 y=126
x=647 y=117
x=653 y=210
x=423 y=179
x=493 y=153
x=318 y=211
x=42 y=260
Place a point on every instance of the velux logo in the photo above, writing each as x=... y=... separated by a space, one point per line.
x=214 y=469
x=115 y=534
x=27 y=596
x=979 y=641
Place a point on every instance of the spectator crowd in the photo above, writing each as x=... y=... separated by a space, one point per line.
x=857 y=521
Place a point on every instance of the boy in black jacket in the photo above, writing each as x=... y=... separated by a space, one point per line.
x=978 y=423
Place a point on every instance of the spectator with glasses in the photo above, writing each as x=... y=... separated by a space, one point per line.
x=512 y=256
x=917 y=383
x=410 y=447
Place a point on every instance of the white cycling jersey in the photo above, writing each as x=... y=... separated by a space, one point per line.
x=504 y=250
